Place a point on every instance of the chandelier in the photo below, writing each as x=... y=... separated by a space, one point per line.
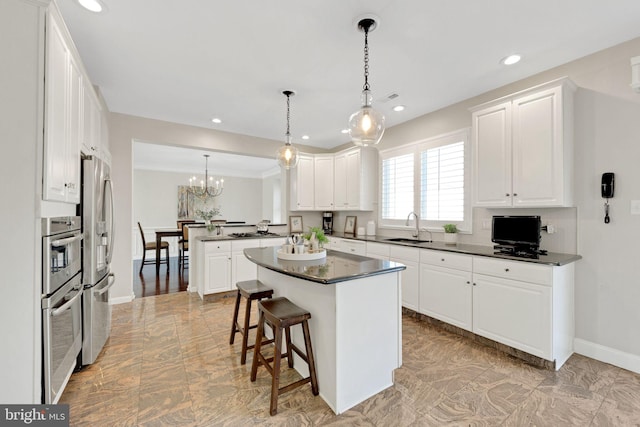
x=366 y=125
x=208 y=187
x=287 y=155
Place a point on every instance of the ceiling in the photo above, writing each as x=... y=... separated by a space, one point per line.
x=190 y=60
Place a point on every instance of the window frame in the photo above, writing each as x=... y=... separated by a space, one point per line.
x=461 y=135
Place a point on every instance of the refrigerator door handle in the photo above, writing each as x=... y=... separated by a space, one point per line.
x=108 y=183
x=112 y=281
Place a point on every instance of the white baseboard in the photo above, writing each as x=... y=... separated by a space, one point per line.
x=122 y=300
x=615 y=357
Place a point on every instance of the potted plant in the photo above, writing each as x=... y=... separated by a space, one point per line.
x=319 y=236
x=208 y=216
x=450 y=234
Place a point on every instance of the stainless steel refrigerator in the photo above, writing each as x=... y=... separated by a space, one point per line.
x=98 y=229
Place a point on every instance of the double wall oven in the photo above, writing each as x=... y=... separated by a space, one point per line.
x=62 y=292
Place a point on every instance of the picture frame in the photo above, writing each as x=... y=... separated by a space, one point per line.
x=350 y=225
x=295 y=224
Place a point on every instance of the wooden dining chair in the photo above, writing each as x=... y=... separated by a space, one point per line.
x=183 y=244
x=151 y=246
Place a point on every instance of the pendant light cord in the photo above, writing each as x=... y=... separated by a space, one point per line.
x=288 y=134
x=366 y=57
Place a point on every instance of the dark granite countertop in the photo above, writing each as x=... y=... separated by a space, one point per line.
x=215 y=238
x=550 y=258
x=336 y=267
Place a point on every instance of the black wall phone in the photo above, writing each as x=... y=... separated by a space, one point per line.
x=607 y=187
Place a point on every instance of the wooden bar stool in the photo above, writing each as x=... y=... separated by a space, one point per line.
x=280 y=313
x=252 y=290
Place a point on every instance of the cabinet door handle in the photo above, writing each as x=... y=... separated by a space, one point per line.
x=515 y=194
x=507 y=194
x=474 y=283
x=468 y=282
x=506 y=269
x=442 y=259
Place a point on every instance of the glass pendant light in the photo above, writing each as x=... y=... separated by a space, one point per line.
x=366 y=125
x=288 y=154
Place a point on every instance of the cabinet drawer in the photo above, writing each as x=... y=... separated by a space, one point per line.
x=379 y=249
x=523 y=271
x=356 y=247
x=238 y=245
x=404 y=253
x=217 y=247
x=446 y=259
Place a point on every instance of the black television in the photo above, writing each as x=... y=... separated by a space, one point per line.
x=521 y=232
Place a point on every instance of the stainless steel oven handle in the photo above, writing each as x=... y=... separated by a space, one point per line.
x=112 y=279
x=58 y=311
x=63 y=242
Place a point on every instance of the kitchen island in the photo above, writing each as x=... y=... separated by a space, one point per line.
x=356 y=319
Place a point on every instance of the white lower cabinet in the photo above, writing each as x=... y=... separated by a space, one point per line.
x=445 y=287
x=217 y=267
x=410 y=277
x=514 y=313
x=241 y=267
x=224 y=263
x=524 y=305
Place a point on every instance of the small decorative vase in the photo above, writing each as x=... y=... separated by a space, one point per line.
x=210 y=226
x=450 y=238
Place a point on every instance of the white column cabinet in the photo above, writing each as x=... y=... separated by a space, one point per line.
x=523 y=148
x=62 y=108
x=92 y=134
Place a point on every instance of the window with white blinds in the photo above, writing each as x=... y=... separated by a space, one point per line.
x=397 y=186
x=442 y=183
x=430 y=178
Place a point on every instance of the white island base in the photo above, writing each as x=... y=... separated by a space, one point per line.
x=356 y=332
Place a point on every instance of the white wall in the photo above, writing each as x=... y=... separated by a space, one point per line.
x=608 y=278
x=21 y=136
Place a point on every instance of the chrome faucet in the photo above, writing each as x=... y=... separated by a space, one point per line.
x=416 y=233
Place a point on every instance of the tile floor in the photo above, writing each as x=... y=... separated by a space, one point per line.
x=169 y=363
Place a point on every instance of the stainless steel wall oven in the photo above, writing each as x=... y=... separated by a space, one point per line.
x=61 y=303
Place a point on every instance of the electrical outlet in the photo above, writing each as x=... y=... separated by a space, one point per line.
x=635 y=207
x=486 y=224
x=551 y=228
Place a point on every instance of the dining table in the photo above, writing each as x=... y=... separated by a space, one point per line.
x=159 y=235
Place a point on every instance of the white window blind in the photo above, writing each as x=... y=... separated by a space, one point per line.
x=397 y=186
x=442 y=183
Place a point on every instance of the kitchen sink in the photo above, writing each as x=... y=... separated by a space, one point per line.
x=406 y=240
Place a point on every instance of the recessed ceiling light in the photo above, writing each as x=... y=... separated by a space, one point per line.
x=92 y=5
x=305 y=136
x=511 y=59
x=398 y=108
x=216 y=120
x=344 y=131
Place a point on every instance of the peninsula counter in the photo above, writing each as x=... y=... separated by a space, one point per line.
x=356 y=319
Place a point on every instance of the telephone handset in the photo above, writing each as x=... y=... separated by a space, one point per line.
x=607 y=189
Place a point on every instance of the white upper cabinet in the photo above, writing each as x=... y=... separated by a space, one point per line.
x=302 y=184
x=356 y=179
x=323 y=178
x=343 y=181
x=523 y=148
x=63 y=101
